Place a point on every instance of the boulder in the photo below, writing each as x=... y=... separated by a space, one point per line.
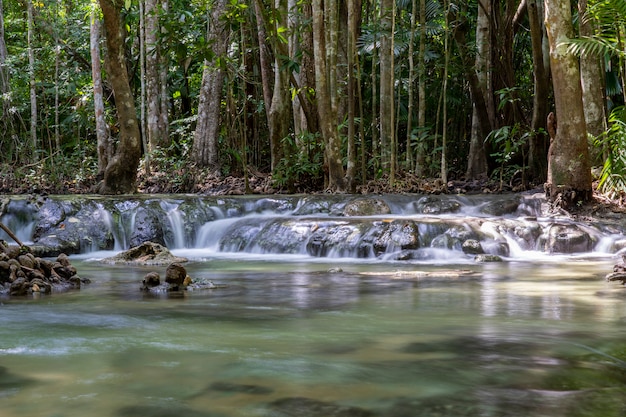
x=366 y=207
x=148 y=253
x=175 y=274
x=568 y=238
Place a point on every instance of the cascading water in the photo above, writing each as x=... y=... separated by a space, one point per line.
x=410 y=228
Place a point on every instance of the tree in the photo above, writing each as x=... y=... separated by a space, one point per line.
x=155 y=126
x=569 y=173
x=387 y=138
x=205 y=144
x=324 y=90
x=592 y=81
x=103 y=140
x=120 y=176
x=5 y=86
x=32 y=79
x=537 y=160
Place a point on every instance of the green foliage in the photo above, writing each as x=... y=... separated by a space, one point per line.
x=301 y=171
x=507 y=142
x=613 y=177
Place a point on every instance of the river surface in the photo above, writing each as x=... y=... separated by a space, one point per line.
x=300 y=336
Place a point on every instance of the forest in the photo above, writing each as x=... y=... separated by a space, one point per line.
x=115 y=96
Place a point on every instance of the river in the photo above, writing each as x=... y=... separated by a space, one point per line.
x=296 y=335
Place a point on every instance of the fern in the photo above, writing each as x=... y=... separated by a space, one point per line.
x=613 y=176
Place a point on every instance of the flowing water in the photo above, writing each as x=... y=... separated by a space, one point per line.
x=295 y=335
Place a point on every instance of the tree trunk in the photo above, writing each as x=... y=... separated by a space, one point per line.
x=264 y=60
x=386 y=84
x=569 y=173
x=205 y=145
x=104 y=145
x=33 y=91
x=5 y=88
x=120 y=176
x=537 y=145
x=420 y=158
x=280 y=109
x=592 y=82
x=155 y=134
x=326 y=112
x=477 y=158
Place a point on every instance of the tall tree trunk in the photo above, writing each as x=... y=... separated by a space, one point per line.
x=104 y=145
x=537 y=145
x=156 y=136
x=352 y=56
x=326 y=112
x=387 y=11
x=592 y=77
x=280 y=109
x=31 y=73
x=477 y=158
x=205 y=145
x=5 y=88
x=420 y=158
x=120 y=176
x=409 y=120
x=264 y=60
x=569 y=173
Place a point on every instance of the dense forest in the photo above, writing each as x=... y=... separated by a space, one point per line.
x=312 y=95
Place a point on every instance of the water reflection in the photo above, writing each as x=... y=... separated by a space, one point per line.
x=289 y=337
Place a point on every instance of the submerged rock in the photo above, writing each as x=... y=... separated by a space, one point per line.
x=148 y=253
x=300 y=407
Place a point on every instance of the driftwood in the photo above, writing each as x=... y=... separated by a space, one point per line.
x=11 y=234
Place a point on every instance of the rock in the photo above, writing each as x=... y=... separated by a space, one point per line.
x=152 y=279
x=568 y=238
x=501 y=207
x=617 y=276
x=175 y=274
x=148 y=253
x=300 y=407
x=436 y=205
x=472 y=247
x=366 y=207
x=487 y=258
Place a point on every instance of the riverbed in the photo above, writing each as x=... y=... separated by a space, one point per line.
x=293 y=335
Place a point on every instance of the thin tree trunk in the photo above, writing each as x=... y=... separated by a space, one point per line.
x=264 y=60
x=592 y=77
x=120 y=176
x=444 y=126
x=569 y=173
x=205 y=145
x=409 y=120
x=538 y=141
x=156 y=137
x=147 y=148
x=352 y=57
x=33 y=91
x=104 y=144
x=421 y=92
x=280 y=109
x=5 y=88
x=386 y=84
x=477 y=158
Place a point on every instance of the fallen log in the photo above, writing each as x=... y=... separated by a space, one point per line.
x=11 y=234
